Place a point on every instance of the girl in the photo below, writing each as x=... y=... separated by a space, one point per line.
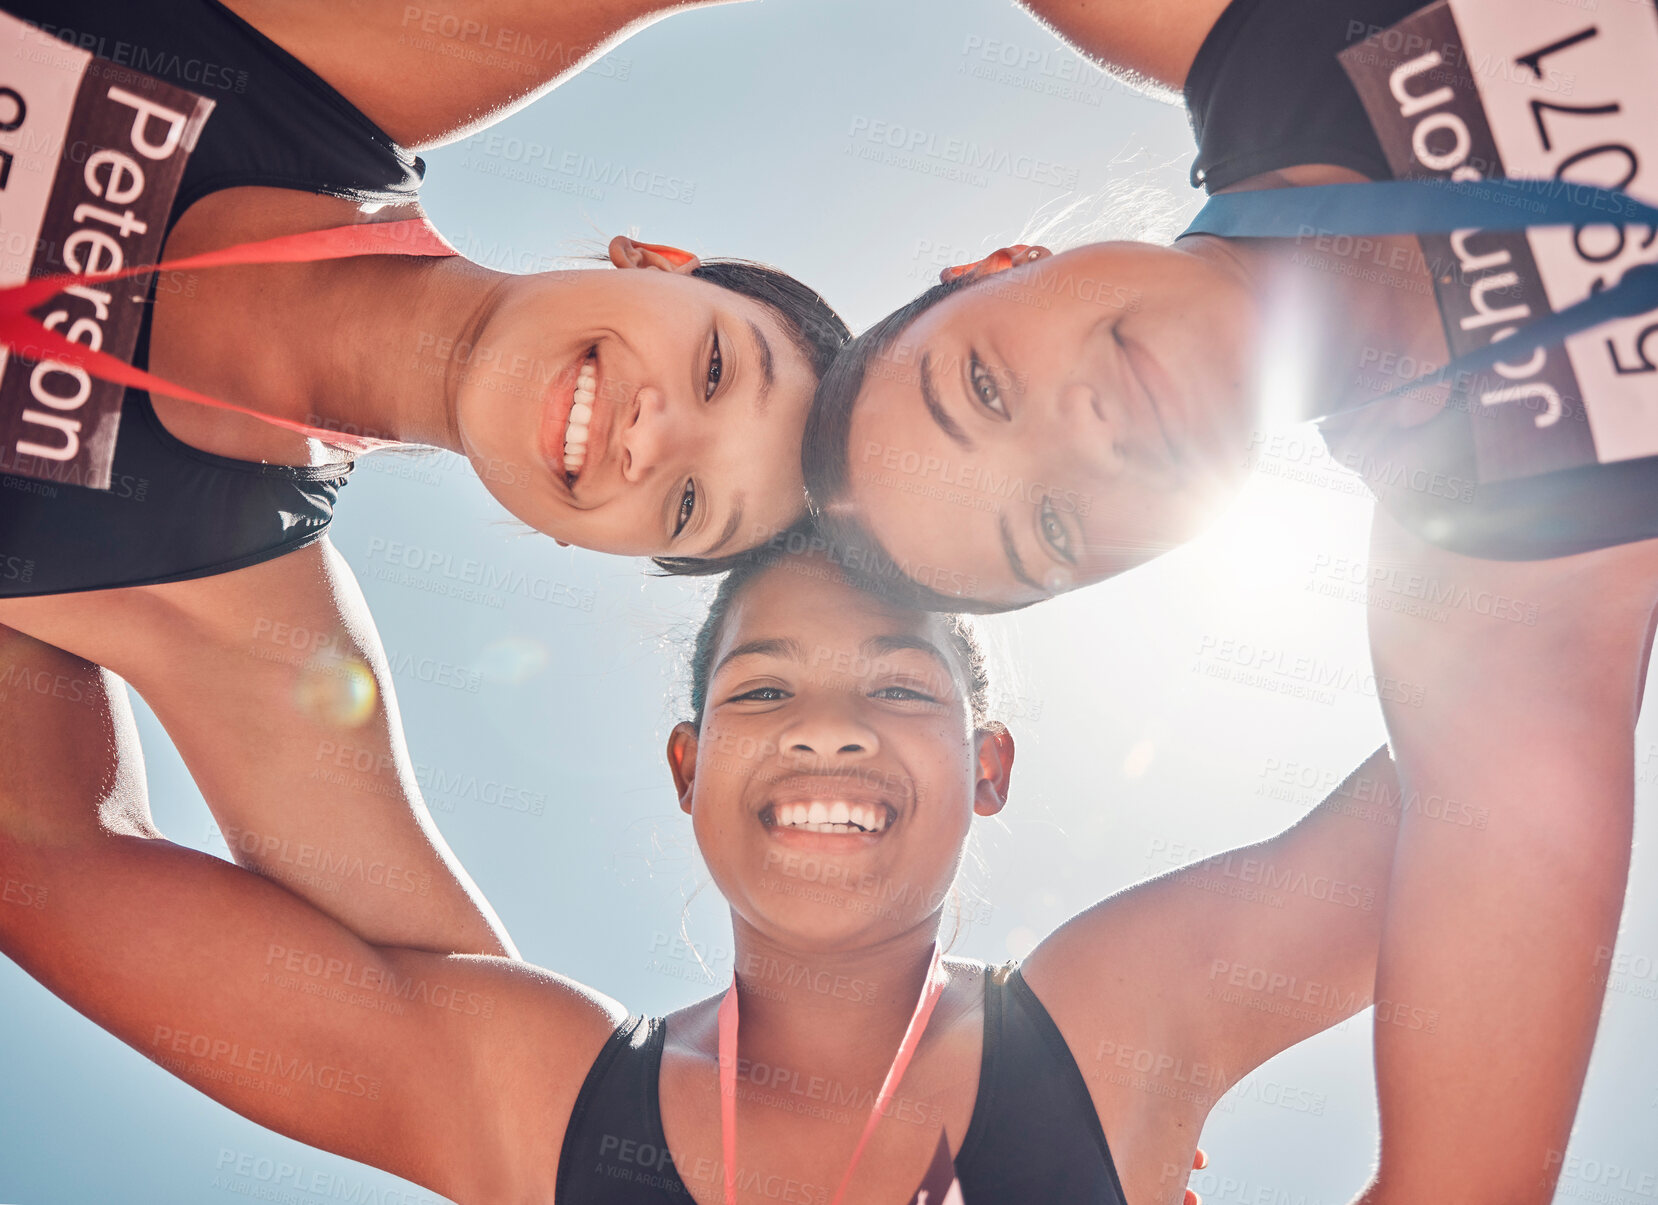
x=659 y=414
x=838 y=750
x=993 y=444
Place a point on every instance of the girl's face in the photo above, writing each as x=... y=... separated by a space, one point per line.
x=1058 y=422
x=836 y=768
x=644 y=413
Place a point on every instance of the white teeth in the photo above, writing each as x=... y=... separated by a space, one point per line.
x=581 y=416
x=836 y=817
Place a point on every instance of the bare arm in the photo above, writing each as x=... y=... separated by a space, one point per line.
x=273 y=683
x=427 y=73
x=1143 y=43
x=1527 y=710
x=456 y=1072
x=1173 y=990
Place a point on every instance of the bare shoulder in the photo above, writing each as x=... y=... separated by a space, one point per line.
x=1150 y=1088
x=1146 y=44
x=536 y=1036
x=427 y=73
x=231 y=331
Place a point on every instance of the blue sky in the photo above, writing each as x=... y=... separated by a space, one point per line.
x=1141 y=745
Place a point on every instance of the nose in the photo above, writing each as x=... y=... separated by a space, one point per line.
x=651 y=435
x=1094 y=426
x=1081 y=405
x=830 y=731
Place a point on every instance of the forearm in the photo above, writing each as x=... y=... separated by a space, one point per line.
x=278 y=694
x=248 y=994
x=1492 y=932
x=1488 y=970
x=248 y=671
x=1297 y=954
x=328 y=808
x=1352 y=835
x=197 y=964
x=64 y=724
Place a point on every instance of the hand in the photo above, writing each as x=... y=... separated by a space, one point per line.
x=1199 y=1162
x=997 y=261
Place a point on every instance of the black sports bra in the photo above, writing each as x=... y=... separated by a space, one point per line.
x=173 y=512
x=1034 y=1135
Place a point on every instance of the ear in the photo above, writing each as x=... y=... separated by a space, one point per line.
x=625 y=253
x=997 y=261
x=995 y=768
x=682 y=762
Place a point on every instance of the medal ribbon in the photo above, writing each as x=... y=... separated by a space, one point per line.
x=26 y=335
x=930 y=992
x=1437 y=207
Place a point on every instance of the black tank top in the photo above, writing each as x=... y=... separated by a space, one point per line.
x=173 y=512
x=1034 y=1135
x=1266 y=92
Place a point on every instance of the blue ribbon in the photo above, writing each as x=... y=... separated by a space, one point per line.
x=1439 y=207
x=1415 y=207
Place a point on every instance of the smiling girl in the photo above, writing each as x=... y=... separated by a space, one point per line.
x=1091 y=410
x=650 y=408
x=838 y=751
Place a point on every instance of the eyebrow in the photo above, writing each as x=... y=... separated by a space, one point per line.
x=790 y=648
x=732 y=523
x=1014 y=563
x=773 y=647
x=768 y=370
x=929 y=398
x=893 y=644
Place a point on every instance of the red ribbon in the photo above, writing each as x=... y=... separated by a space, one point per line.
x=27 y=336
x=931 y=990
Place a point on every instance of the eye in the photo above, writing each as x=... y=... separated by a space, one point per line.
x=985 y=387
x=687 y=505
x=716 y=369
x=761 y=694
x=903 y=694
x=1053 y=531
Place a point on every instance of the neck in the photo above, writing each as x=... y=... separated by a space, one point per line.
x=1341 y=320
x=1333 y=311
x=839 y=1015
x=382 y=335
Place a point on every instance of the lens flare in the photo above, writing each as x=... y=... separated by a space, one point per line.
x=1139 y=759
x=335 y=690
x=512 y=659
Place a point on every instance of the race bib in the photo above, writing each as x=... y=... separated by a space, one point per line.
x=91 y=156
x=1474 y=89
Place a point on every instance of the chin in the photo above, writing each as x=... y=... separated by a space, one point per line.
x=820 y=925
